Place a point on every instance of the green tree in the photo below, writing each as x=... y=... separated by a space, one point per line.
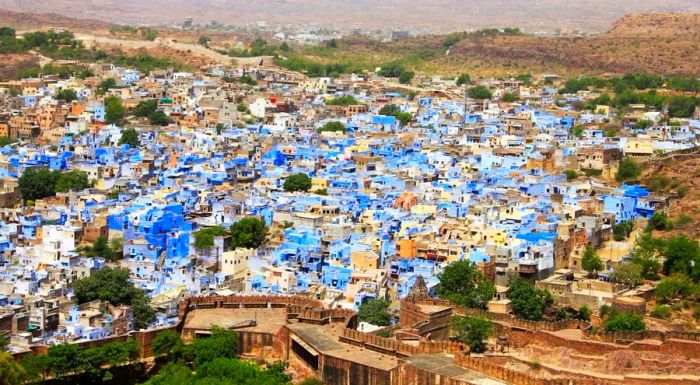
x=680 y=106
x=578 y=130
x=570 y=175
x=584 y=313
x=375 y=311
x=333 y=127
x=480 y=92
x=249 y=233
x=682 y=255
x=628 y=170
x=643 y=124
x=509 y=97
x=159 y=118
x=6 y=141
x=221 y=344
x=659 y=222
x=331 y=44
x=130 y=137
x=101 y=249
x=172 y=374
x=393 y=110
x=462 y=283
x=591 y=261
x=405 y=77
x=113 y=285
x=624 y=322
x=106 y=85
x=529 y=302
x=145 y=108
x=622 y=230
x=64 y=359
x=676 y=286
x=646 y=253
x=75 y=180
x=67 y=95
x=11 y=372
x=167 y=343
x=204 y=238
x=114 y=110
x=297 y=182
x=37 y=183
x=463 y=79
x=204 y=40
x=628 y=274
x=473 y=331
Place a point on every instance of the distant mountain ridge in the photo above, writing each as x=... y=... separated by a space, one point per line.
x=437 y=15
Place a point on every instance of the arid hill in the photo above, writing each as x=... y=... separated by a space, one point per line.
x=434 y=15
x=663 y=43
x=28 y=21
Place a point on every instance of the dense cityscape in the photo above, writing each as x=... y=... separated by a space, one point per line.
x=259 y=217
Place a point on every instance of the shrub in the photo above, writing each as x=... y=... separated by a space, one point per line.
x=624 y=322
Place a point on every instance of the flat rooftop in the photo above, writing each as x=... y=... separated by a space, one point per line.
x=443 y=365
x=269 y=320
x=319 y=339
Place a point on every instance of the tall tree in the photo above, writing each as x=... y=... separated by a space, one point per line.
x=473 y=331
x=249 y=233
x=463 y=284
x=375 y=311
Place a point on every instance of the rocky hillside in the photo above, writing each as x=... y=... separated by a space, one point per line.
x=28 y=21
x=664 y=43
x=433 y=15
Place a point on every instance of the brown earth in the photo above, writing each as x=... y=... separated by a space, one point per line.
x=683 y=181
x=12 y=64
x=435 y=15
x=29 y=21
x=662 y=43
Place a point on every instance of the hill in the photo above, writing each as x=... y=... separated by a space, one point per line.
x=28 y=21
x=662 y=43
x=434 y=15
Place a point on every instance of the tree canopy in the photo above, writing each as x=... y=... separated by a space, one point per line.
x=204 y=238
x=39 y=183
x=130 y=137
x=113 y=285
x=114 y=110
x=529 y=302
x=624 y=322
x=249 y=233
x=591 y=261
x=375 y=311
x=72 y=180
x=145 y=108
x=628 y=170
x=334 y=126
x=67 y=95
x=480 y=92
x=393 y=110
x=297 y=182
x=463 y=79
x=462 y=283
x=473 y=331
x=159 y=118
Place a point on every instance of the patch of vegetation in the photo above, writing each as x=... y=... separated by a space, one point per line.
x=375 y=311
x=462 y=283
